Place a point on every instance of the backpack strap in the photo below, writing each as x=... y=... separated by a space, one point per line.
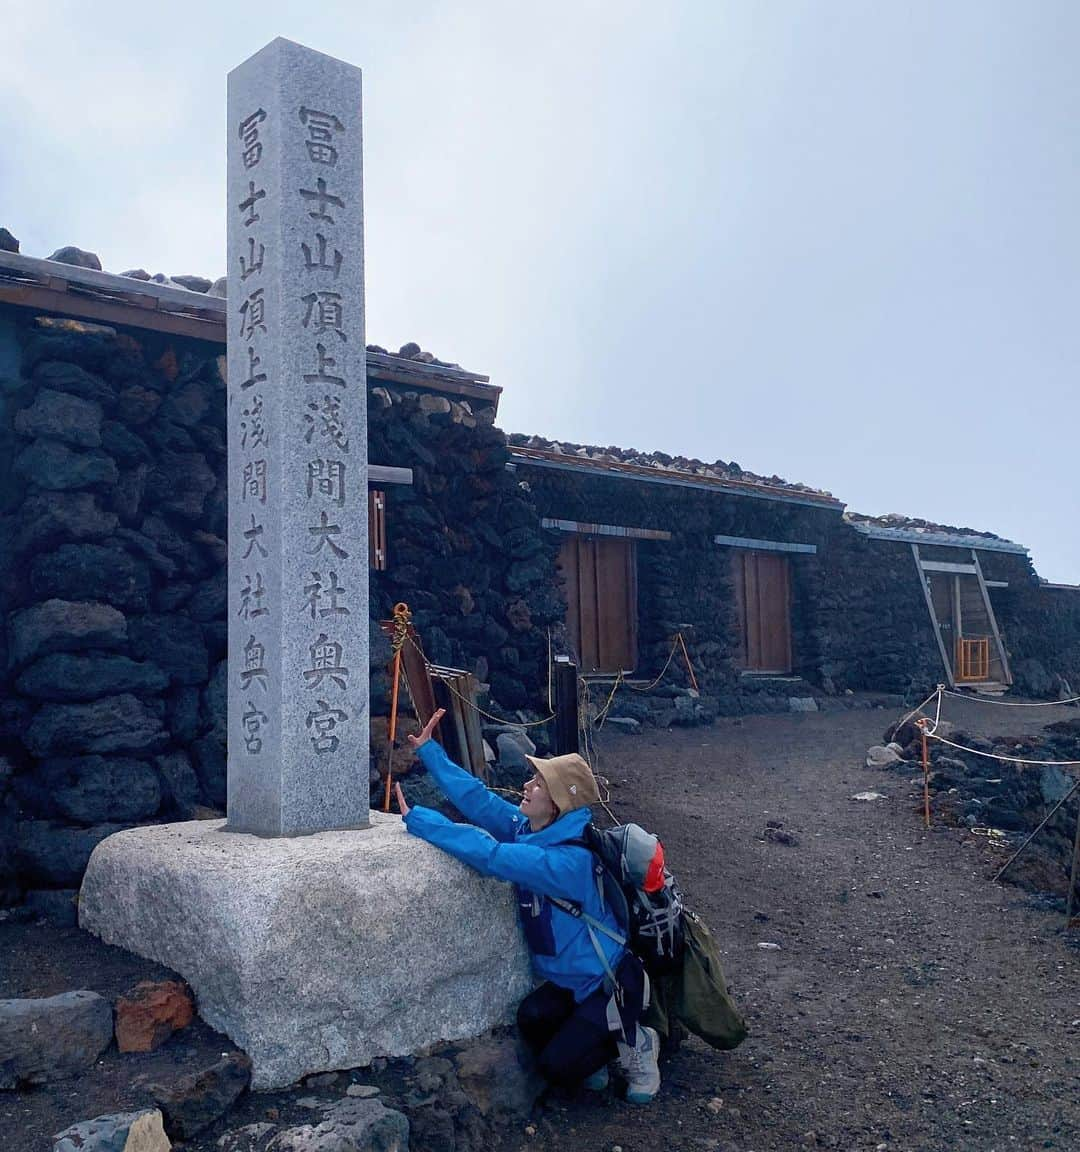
x=592 y=926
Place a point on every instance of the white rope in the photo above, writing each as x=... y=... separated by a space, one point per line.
x=1012 y=703
x=937 y=714
x=915 y=711
x=1006 y=759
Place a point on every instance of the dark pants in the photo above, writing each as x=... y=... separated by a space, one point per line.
x=572 y=1041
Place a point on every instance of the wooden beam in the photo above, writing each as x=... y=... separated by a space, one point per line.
x=933 y=616
x=993 y=619
x=764 y=545
x=582 y=528
x=384 y=474
x=945 y=566
x=110 y=311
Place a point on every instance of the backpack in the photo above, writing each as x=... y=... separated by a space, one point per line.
x=640 y=891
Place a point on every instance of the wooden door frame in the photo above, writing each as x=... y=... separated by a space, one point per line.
x=746 y=556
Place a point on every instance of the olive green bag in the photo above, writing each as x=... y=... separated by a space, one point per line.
x=695 y=994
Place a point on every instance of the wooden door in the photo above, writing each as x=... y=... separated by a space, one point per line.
x=762 y=583
x=601 y=601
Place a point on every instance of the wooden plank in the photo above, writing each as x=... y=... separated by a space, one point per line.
x=587 y=601
x=946 y=566
x=168 y=294
x=566 y=707
x=384 y=474
x=774 y=617
x=396 y=371
x=587 y=529
x=418 y=680
x=567 y=565
x=111 y=312
x=764 y=545
x=631 y=605
x=753 y=614
x=1005 y=670
x=933 y=616
x=617 y=607
x=474 y=736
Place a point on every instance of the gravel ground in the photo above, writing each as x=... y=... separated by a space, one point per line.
x=911 y=1004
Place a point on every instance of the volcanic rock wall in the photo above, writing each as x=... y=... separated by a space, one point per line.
x=685 y=583
x=112 y=578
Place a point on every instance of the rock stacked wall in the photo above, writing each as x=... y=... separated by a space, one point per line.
x=1041 y=626
x=870 y=622
x=686 y=583
x=465 y=548
x=112 y=707
x=112 y=578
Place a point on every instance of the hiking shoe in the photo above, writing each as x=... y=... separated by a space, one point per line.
x=598 y=1081
x=640 y=1067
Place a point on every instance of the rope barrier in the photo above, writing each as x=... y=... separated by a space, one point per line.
x=1010 y=703
x=928 y=731
x=1006 y=759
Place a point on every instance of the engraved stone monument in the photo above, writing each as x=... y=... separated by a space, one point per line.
x=316 y=935
x=298 y=600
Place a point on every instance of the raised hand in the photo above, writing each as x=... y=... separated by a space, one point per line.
x=426 y=731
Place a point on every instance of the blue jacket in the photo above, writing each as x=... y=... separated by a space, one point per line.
x=541 y=864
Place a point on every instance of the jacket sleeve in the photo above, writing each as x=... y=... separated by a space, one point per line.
x=558 y=871
x=475 y=802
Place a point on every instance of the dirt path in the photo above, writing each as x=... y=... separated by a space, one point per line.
x=912 y=1004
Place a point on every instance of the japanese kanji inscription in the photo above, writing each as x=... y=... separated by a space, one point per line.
x=298 y=596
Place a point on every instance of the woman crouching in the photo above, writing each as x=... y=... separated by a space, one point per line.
x=587 y=1010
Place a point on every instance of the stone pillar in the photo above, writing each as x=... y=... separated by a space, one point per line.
x=298 y=546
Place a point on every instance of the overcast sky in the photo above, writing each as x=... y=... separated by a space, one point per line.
x=834 y=241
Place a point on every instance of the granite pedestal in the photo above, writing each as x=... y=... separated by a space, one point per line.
x=314 y=953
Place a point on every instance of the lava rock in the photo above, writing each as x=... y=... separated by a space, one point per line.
x=123 y=444
x=175 y=643
x=76 y=381
x=50 y=518
x=111 y=724
x=56 y=855
x=56 y=906
x=137 y=405
x=181 y=482
x=61 y=416
x=195 y=1101
x=117 y=1132
x=187 y=404
x=210 y=599
x=52 y=1038
x=211 y=766
x=65 y=626
x=92 y=789
x=150 y=1013
x=181 y=785
x=77 y=257
x=63 y=676
x=56 y=468
x=363 y=1125
x=193 y=283
x=492 y=1075
x=109 y=573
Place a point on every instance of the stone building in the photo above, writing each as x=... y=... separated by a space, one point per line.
x=508 y=550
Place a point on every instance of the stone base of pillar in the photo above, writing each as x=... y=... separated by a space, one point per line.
x=318 y=952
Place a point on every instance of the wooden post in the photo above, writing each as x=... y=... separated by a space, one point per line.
x=566 y=707
x=925 y=774
x=1073 y=873
x=393 y=728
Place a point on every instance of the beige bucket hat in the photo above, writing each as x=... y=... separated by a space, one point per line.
x=569 y=779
